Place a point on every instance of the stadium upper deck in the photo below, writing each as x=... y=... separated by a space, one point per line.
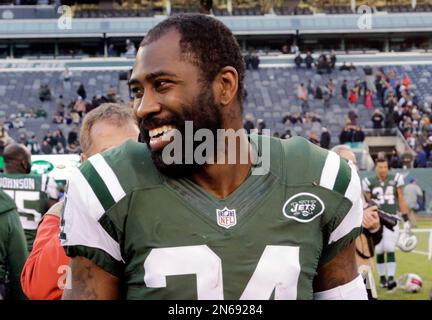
x=42 y=31
x=148 y=8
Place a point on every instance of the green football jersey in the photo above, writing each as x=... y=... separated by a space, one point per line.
x=384 y=192
x=31 y=193
x=171 y=239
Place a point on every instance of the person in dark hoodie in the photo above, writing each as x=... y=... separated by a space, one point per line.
x=325 y=138
x=82 y=92
x=13 y=250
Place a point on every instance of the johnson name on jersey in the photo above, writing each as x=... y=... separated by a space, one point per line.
x=171 y=239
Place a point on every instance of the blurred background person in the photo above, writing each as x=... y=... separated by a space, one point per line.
x=413 y=193
x=33 y=193
x=103 y=128
x=13 y=250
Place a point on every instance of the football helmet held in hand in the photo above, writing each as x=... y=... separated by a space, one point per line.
x=407 y=241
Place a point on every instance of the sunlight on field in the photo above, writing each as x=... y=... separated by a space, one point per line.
x=413 y=262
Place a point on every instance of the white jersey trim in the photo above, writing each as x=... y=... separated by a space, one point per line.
x=354 y=217
x=366 y=185
x=353 y=290
x=108 y=176
x=330 y=170
x=81 y=214
x=44 y=185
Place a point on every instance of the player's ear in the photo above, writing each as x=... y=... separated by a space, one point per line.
x=226 y=83
x=26 y=166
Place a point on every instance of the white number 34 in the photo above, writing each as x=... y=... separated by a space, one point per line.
x=278 y=270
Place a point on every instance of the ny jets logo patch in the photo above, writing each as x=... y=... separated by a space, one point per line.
x=226 y=217
x=303 y=207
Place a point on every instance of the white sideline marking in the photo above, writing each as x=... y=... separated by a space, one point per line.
x=421 y=230
x=420 y=252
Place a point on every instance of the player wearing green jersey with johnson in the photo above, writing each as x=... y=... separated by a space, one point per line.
x=387 y=190
x=259 y=218
x=33 y=193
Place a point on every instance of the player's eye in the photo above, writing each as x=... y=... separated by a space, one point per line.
x=161 y=84
x=137 y=92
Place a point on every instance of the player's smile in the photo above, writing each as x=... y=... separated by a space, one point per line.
x=161 y=136
x=157 y=132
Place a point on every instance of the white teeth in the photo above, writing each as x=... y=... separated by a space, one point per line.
x=159 y=130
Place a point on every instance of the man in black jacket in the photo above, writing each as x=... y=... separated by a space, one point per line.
x=298 y=60
x=344 y=89
x=325 y=138
x=309 y=60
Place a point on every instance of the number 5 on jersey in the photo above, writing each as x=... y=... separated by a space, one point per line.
x=30 y=218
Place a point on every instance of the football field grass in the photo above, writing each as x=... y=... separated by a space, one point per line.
x=413 y=262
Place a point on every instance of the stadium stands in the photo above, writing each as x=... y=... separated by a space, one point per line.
x=147 y=8
x=20 y=90
x=344 y=7
x=272 y=93
x=28 y=12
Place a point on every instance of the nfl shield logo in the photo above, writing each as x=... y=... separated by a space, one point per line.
x=226 y=218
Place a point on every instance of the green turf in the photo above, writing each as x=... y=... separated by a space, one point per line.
x=412 y=263
x=427 y=224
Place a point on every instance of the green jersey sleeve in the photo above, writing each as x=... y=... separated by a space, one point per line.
x=86 y=229
x=13 y=247
x=6 y=202
x=342 y=218
x=342 y=226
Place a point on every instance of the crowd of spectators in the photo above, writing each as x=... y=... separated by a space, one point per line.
x=351 y=134
x=389 y=94
x=290 y=119
x=394 y=103
x=324 y=92
x=324 y=63
x=252 y=60
x=396 y=106
x=67 y=113
x=403 y=109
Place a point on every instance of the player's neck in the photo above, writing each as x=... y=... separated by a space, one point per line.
x=222 y=178
x=13 y=170
x=382 y=178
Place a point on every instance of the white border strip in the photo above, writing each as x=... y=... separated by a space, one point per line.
x=108 y=176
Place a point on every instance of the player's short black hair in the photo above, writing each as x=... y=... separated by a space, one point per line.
x=206 y=42
x=379 y=160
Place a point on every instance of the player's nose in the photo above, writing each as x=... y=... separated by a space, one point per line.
x=148 y=105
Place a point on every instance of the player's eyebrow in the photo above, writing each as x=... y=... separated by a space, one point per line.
x=159 y=73
x=153 y=75
x=133 y=81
